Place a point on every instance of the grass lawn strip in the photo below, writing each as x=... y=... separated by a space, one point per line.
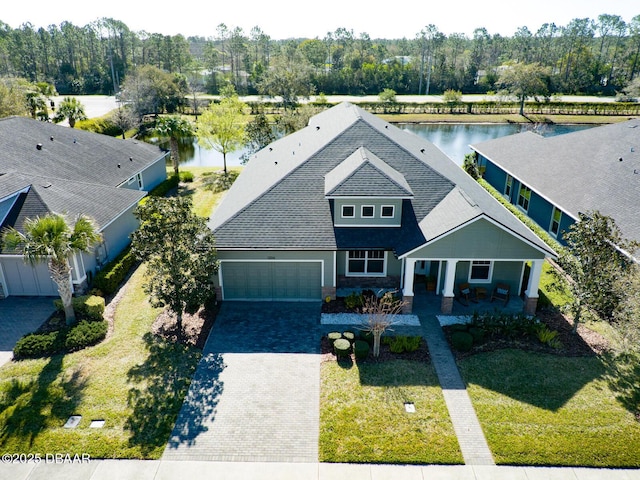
x=538 y=409
x=101 y=382
x=363 y=418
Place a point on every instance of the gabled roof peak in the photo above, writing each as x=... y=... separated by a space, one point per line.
x=364 y=174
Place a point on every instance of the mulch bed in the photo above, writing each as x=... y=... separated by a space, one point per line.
x=195 y=327
x=420 y=355
x=585 y=343
x=337 y=306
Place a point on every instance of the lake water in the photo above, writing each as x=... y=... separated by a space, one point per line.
x=452 y=139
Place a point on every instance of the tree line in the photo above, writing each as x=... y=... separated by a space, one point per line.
x=586 y=56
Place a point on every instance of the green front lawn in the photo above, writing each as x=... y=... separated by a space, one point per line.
x=134 y=382
x=538 y=409
x=363 y=418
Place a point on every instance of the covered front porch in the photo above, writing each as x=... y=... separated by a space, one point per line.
x=443 y=283
x=428 y=302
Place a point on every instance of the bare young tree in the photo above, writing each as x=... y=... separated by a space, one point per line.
x=381 y=315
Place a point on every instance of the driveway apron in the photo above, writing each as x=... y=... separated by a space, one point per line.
x=255 y=394
x=19 y=316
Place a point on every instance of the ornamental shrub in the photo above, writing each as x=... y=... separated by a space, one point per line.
x=349 y=336
x=401 y=344
x=462 y=341
x=88 y=307
x=333 y=336
x=361 y=349
x=84 y=334
x=354 y=300
x=186 y=176
x=35 y=345
x=342 y=347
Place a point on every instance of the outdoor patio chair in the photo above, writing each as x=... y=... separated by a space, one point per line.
x=501 y=292
x=466 y=294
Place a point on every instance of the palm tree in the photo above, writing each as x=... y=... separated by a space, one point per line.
x=50 y=238
x=36 y=104
x=70 y=108
x=174 y=127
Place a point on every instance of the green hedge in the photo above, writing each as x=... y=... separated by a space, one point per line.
x=90 y=307
x=68 y=339
x=165 y=187
x=113 y=274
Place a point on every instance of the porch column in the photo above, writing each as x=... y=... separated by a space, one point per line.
x=531 y=294
x=449 y=285
x=407 y=291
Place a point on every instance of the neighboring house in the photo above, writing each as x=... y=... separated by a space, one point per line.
x=352 y=201
x=554 y=179
x=47 y=168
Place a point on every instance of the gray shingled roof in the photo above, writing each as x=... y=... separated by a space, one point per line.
x=278 y=202
x=73 y=154
x=73 y=171
x=364 y=174
x=593 y=169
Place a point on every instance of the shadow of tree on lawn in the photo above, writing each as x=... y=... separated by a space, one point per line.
x=163 y=382
x=623 y=372
x=28 y=408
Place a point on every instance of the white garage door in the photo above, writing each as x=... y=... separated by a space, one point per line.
x=24 y=280
x=271 y=280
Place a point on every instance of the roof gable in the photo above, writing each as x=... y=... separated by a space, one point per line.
x=364 y=174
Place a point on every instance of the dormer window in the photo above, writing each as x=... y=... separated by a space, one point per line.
x=387 y=211
x=348 y=211
x=368 y=211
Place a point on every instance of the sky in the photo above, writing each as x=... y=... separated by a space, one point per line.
x=281 y=19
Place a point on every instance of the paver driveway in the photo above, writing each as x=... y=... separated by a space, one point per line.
x=18 y=316
x=255 y=395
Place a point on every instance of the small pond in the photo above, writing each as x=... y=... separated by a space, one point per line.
x=452 y=139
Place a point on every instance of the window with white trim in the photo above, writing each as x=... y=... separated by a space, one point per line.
x=387 y=211
x=524 y=197
x=508 y=186
x=481 y=271
x=554 y=228
x=366 y=262
x=348 y=211
x=368 y=211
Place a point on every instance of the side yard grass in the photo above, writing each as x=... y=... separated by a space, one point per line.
x=204 y=201
x=540 y=409
x=132 y=381
x=363 y=418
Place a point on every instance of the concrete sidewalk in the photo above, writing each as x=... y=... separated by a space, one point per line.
x=171 y=470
